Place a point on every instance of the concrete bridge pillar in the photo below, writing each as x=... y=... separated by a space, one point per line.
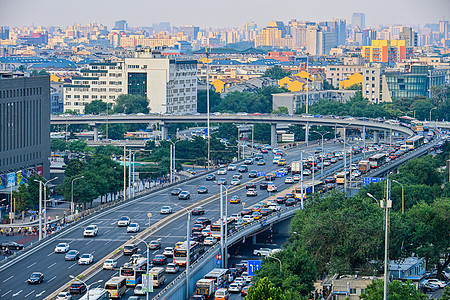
x=273 y=135
x=164 y=131
x=254 y=239
x=307 y=134
x=376 y=137
x=96 y=133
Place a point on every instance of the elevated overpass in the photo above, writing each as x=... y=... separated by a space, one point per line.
x=164 y=120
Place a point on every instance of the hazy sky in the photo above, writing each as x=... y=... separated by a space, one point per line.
x=226 y=13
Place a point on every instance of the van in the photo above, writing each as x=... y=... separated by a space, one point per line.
x=221 y=294
x=159 y=276
x=96 y=294
x=116 y=287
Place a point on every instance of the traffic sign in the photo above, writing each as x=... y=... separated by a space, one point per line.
x=369 y=180
x=279 y=174
x=147 y=283
x=218 y=257
x=252 y=266
x=149 y=215
x=218 y=262
x=261 y=173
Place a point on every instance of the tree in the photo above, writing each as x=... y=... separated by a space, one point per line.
x=264 y=289
x=58 y=145
x=27 y=196
x=214 y=100
x=281 y=110
x=355 y=87
x=74 y=168
x=131 y=104
x=115 y=131
x=40 y=73
x=262 y=132
x=96 y=107
x=77 y=146
x=421 y=171
x=397 y=290
x=277 y=73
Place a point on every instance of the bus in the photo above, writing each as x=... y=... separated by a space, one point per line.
x=216 y=230
x=220 y=277
x=364 y=166
x=180 y=253
x=116 y=287
x=415 y=142
x=340 y=177
x=377 y=160
x=132 y=271
x=159 y=276
x=418 y=126
x=406 y=121
x=96 y=294
x=307 y=189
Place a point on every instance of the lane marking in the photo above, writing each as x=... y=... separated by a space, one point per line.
x=31 y=265
x=8 y=278
x=156 y=251
x=29 y=293
x=107 y=231
x=52 y=278
x=51 y=265
x=6 y=293
x=168 y=235
x=89 y=242
x=50 y=254
x=107 y=242
x=40 y=294
x=17 y=293
x=72 y=266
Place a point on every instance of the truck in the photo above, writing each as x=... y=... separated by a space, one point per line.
x=364 y=166
x=296 y=167
x=206 y=288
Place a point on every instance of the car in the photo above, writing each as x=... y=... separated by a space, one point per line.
x=64 y=296
x=290 y=195
x=138 y=290
x=72 y=255
x=168 y=251
x=176 y=191
x=91 y=230
x=330 y=179
x=250 y=185
x=289 y=202
x=248 y=161
x=235 y=182
x=35 y=278
x=234 y=288
x=253 y=174
x=166 y=210
x=231 y=167
x=263 y=186
x=109 y=264
x=210 y=177
x=264 y=150
x=240 y=281
x=137 y=298
x=160 y=259
x=244 y=291
x=203 y=221
x=289 y=180
x=262 y=252
x=248 y=218
x=237 y=176
x=154 y=245
x=261 y=162
x=437 y=282
x=306 y=172
x=184 y=195
x=269 y=177
x=246 y=211
x=429 y=287
x=252 y=192
x=198 y=211
x=198 y=237
x=206 y=231
x=256 y=215
x=222 y=172
x=202 y=190
x=222 y=181
x=209 y=241
x=256 y=207
x=130 y=249
x=191 y=171
x=11 y=246
x=297 y=177
x=62 y=248
x=271 y=187
x=235 y=199
x=77 y=287
x=86 y=259
x=123 y=222
x=133 y=227
x=265 y=211
x=243 y=169
x=274 y=207
x=172 y=268
x=197 y=228
x=281 y=162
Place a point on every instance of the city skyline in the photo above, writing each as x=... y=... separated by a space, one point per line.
x=234 y=14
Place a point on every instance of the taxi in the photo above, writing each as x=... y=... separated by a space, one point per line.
x=261 y=162
x=282 y=162
x=256 y=207
x=256 y=215
x=235 y=199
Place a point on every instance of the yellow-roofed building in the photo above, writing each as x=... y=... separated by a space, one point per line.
x=222 y=85
x=351 y=80
x=292 y=83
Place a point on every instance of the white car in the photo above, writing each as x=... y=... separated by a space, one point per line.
x=272 y=187
x=206 y=232
x=91 y=230
x=234 y=288
x=138 y=290
x=275 y=207
x=236 y=216
x=168 y=251
x=62 y=248
x=109 y=264
x=240 y=281
x=306 y=172
x=64 y=296
x=172 y=268
x=231 y=167
x=289 y=180
x=252 y=192
x=166 y=210
x=222 y=172
x=262 y=252
x=356 y=173
x=86 y=259
x=235 y=182
x=248 y=218
x=297 y=177
x=237 y=176
x=133 y=227
x=123 y=222
x=209 y=241
x=437 y=282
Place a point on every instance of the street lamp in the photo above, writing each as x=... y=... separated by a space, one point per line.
x=321 y=153
x=173 y=167
x=430 y=113
x=207 y=104
x=270 y=256
x=148 y=259
x=403 y=196
x=223 y=231
x=40 y=208
x=188 y=247
x=71 y=202
x=45 y=203
x=87 y=286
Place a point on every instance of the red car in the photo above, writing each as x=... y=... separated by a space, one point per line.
x=264 y=150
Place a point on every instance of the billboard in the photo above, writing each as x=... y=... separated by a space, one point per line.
x=2 y=181
x=20 y=177
x=40 y=170
x=11 y=179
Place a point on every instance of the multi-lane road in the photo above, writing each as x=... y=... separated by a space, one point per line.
x=56 y=270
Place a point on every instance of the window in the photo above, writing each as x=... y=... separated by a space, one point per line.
x=352 y=291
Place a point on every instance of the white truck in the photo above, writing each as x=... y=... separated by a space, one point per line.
x=206 y=288
x=296 y=167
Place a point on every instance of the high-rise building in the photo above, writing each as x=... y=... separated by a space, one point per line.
x=121 y=25
x=190 y=30
x=359 y=19
x=319 y=42
x=386 y=51
x=24 y=128
x=409 y=36
x=273 y=35
x=443 y=28
x=4 y=33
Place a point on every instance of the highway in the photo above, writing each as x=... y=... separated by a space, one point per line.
x=57 y=270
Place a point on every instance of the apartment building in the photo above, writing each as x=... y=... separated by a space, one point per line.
x=170 y=85
x=336 y=73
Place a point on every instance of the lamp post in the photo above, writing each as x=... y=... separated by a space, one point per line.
x=321 y=153
x=148 y=258
x=281 y=270
x=430 y=113
x=71 y=201
x=188 y=247
x=403 y=196
x=224 y=231
x=173 y=167
x=40 y=208
x=207 y=103
x=45 y=203
x=87 y=286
